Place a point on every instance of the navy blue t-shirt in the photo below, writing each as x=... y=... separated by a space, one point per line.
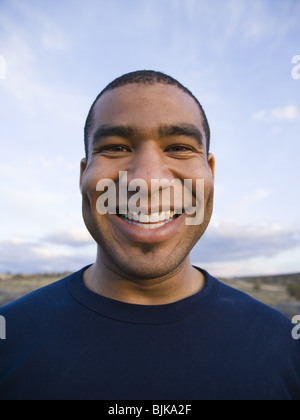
x=64 y=342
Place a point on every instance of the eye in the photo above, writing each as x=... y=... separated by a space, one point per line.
x=117 y=148
x=179 y=148
x=112 y=150
x=180 y=151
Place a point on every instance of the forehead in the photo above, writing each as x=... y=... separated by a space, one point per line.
x=146 y=106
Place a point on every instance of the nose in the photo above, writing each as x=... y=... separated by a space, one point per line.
x=148 y=164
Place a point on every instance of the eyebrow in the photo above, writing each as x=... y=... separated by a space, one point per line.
x=187 y=130
x=165 y=130
x=113 y=131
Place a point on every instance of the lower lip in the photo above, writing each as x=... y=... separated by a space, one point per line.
x=140 y=234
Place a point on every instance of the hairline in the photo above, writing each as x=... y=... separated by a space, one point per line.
x=109 y=88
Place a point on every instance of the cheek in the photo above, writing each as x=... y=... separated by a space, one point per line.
x=90 y=194
x=204 y=197
x=208 y=189
x=88 y=188
x=93 y=220
x=203 y=184
x=93 y=174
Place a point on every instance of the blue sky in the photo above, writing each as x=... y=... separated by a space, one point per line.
x=235 y=56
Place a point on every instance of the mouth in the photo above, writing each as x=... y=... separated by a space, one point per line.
x=144 y=227
x=149 y=221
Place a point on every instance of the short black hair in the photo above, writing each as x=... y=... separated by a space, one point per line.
x=145 y=77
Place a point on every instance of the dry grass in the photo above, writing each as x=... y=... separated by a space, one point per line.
x=280 y=292
x=271 y=295
x=14 y=287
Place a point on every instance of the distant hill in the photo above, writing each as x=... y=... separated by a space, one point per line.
x=282 y=279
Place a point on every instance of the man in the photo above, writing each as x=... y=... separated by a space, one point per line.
x=142 y=322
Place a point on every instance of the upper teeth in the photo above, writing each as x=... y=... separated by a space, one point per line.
x=150 y=218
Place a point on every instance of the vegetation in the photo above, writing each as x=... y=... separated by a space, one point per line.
x=294 y=290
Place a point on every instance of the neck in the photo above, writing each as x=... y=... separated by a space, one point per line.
x=109 y=282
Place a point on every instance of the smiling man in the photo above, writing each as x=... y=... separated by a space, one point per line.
x=142 y=322
x=151 y=131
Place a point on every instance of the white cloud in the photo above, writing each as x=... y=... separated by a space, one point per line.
x=24 y=79
x=34 y=50
x=226 y=249
x=233 y=242
x=283 y=264
x=288 y=113
x=72 y=237
x=38 y=257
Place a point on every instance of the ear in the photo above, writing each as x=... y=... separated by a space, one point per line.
x=211 y=163
x=82 y=170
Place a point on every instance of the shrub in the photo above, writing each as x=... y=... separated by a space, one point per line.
x=294 y=290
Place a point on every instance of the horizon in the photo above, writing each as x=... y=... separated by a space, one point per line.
x=66 y=273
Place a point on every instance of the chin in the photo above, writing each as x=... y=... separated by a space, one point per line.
x=149 y=264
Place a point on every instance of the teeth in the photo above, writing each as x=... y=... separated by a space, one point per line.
x=144 y=218
x=150 y=218
x=154 y=218
x=135 y=216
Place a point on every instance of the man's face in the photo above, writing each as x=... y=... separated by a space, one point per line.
x=151 y=132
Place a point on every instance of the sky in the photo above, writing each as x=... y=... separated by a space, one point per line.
x=239 y=57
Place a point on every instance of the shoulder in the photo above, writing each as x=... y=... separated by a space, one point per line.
x=251 y=311
x=259 y=322
x=35 y=321
x=41 y=303
x=240 y=302
x=38 y=298
x=237 y=311
x=235 y=302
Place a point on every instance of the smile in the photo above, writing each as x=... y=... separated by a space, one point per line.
x=149 y=221
x=146 y=227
